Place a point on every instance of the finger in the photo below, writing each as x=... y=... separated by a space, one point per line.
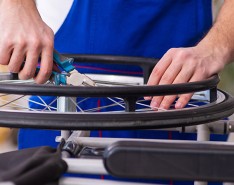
x=30 y=65
x=168 y=77
x=167 y=101
x=159 y=69
x=183 y=76
x=16 y=60
x=171 y=73
x=46 y=66
x=160 y=101
x=184 y=99
x=5 y=55
x=155 y=102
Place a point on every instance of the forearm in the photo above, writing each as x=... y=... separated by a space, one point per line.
x=31 y=3
x=220 y=39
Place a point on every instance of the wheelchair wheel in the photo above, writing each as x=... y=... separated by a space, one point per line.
x=113 y=105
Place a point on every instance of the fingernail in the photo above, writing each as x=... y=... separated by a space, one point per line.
x=162 y=107
x=148 y=98
x=178 y=105
x=154 y=105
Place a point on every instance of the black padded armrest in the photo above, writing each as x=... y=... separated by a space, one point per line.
x=160 y=160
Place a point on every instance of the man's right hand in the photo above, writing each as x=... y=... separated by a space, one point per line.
x=24 y=37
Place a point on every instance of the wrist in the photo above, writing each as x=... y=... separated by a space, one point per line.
x=218 y=50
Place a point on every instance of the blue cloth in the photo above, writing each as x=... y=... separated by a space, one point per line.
x=125 y=27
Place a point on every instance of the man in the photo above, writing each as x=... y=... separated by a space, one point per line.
x=136 y=28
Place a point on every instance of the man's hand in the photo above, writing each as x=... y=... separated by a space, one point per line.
x=196 y=63
x=24 y=37
x=181 y=65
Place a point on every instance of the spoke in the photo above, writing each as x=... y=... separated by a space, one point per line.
x=49 y=105
x=99 y=108
x=76 y=104
x=118 y=103
x=38 y=103
x=9 y=102
x=83 y=100
x=151 y=108
x=45 y=104
x=192 y=105
x=14 y=105
x=145 y=109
